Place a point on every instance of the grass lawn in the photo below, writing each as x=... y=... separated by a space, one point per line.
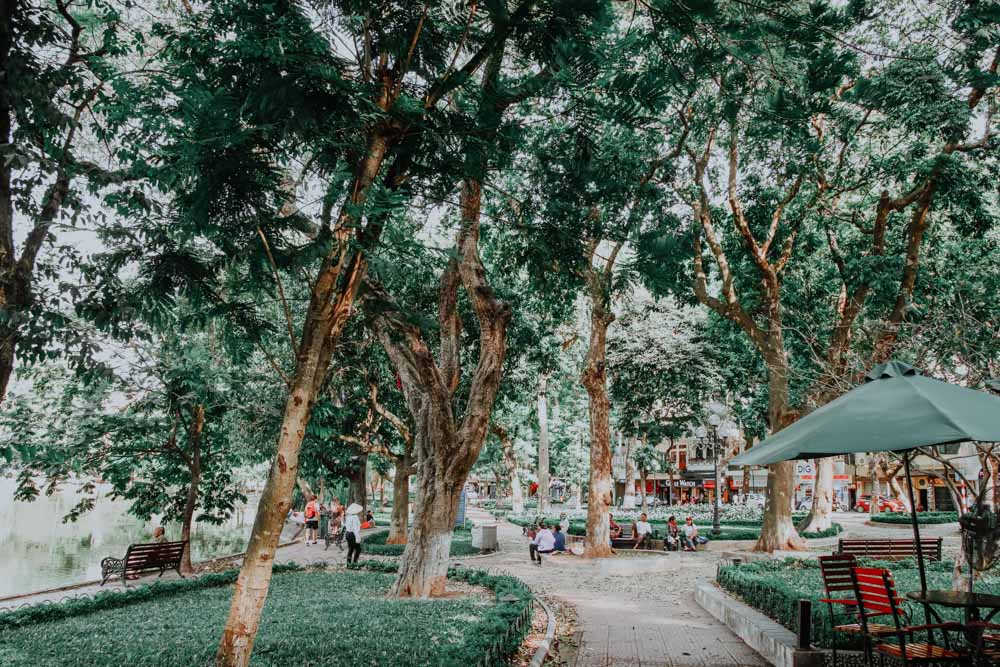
x=774 y=587
x=310 y=618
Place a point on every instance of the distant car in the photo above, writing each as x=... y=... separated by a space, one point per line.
x=652 y=501
x=864 y=504
x=754 y=500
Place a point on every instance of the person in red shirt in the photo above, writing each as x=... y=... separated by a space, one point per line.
x=312 y=519
x=616 y=530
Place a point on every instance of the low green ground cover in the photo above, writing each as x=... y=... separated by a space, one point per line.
x=775 y=587
x=922 y=517
x=311 y=617
x=374 y=544
x=735 y=530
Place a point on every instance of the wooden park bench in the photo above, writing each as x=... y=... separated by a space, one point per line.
x=891 y=549
x=141 y=558
x=628 y=539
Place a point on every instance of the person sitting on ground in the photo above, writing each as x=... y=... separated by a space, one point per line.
x=673 y=539
x=643 y=532
x=616 y=530
x=369 y=521
x=691 y=537
x=544 y=543
x=560 y=538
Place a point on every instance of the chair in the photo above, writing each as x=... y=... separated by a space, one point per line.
x=838 y=583
x=988 y=642
x=876 y=593
x=838 y=578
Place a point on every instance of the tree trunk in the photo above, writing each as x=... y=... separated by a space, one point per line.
x=778 y=532
x=423 y=568
x=642 y=480
x=818 y=518
x=445 y=447
x=357 y=485
x=629 y=501
x=330 y=305
x=599 y=499
x=510 y=463
x=400 y=505
x=194 y=437
x=543 y=444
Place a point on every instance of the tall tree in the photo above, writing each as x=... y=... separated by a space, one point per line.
x=56 y=64
x=791 y=142
x=191 y=417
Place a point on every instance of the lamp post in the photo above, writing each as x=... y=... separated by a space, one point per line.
x=714 y=420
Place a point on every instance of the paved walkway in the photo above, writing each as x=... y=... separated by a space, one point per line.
x=632 y=610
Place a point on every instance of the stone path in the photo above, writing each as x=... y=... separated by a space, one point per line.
x=632 y=610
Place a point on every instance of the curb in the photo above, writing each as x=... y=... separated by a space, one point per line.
x=774 y=642
x=550 y=632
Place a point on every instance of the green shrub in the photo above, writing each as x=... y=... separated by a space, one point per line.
x=834 y=529
x=374 y=544
x=922 y=517
x=350 y=622
x=775 y=587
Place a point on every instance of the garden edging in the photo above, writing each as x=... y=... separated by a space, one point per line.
x=772 y=641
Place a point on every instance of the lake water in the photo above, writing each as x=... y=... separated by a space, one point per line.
x=38 y=551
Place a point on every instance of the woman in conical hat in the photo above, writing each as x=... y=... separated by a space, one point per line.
x=353 y=527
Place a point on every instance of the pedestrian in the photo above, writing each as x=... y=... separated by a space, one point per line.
x=336 y=522
x=564 y=523
x=353 y=527
x=312 y=519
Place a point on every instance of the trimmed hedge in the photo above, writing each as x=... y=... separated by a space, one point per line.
x=775 y=587
x=731 y=530
x=922 y=517
x=374 y=545
x=350 y=621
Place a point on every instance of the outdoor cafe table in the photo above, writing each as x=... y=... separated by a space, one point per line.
x=972 y=603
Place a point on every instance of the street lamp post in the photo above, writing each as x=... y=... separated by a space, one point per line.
x=713 y=421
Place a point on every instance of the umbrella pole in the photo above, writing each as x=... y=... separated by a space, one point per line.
x=916 y=525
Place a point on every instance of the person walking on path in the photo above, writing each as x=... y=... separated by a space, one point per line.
x=353 y=527
x=312 y=519
x=336 y=522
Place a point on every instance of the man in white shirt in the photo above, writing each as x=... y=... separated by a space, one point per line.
x=643 y=532
x=543 y=543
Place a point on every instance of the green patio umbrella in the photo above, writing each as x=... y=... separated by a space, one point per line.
x=895 y=409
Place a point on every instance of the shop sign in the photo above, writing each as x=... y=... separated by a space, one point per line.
x=686 y=483
x=841 y=478
x=709 y=484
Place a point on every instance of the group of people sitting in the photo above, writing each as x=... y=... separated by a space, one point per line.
x=546 y=540
x=686 y=537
